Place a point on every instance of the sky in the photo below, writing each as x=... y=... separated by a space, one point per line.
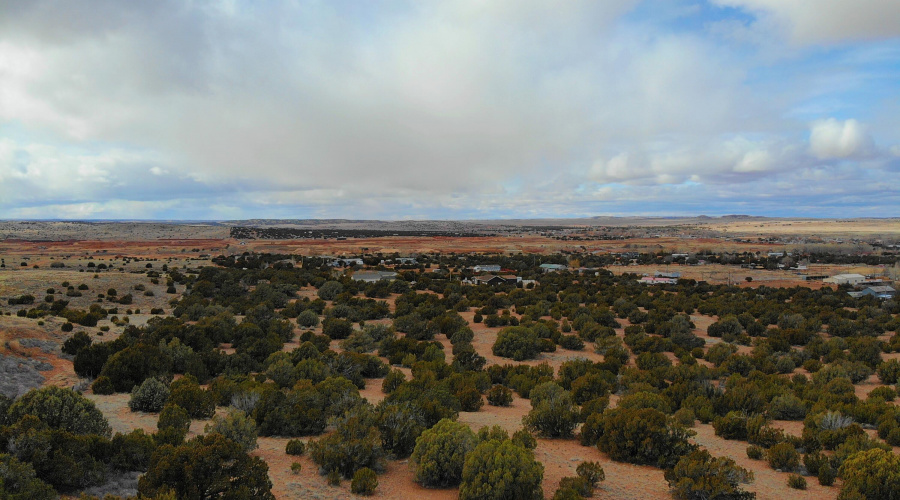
x=448 y=109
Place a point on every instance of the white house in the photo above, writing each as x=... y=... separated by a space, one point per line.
x=845 y=279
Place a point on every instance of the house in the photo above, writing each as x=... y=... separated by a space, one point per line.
x=495 y=280
x=667 y=274
x=880 y=292
x=487 y=268
x=373 y=276
x=548 y=268
x=845 y=279
x=651 y=280
x=775 y=254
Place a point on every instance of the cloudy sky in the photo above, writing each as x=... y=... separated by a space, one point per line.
x=206 y=109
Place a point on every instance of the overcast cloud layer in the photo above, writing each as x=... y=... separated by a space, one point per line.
x=448 y=109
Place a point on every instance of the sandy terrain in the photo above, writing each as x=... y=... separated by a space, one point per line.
x=187 y=246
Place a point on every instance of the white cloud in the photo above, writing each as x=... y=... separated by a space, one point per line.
x=827 y=21
x=832 y=138
x=679 y=160
x=462 y=106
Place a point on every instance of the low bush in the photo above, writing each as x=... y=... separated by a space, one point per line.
x=149 y=397
x=364 y=482
x=500 y=395
x=295 y=447
x=797 y=482
x=783 y=456
x=699 y=475
x=103 y=386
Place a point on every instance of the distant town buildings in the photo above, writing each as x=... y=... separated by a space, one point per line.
x=654 y=280
x=373 y=276
x=343 y=262
x=400 y=260
x=667 y=274
x=548 y=268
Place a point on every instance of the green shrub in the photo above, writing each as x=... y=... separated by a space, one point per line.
x=337 y=328
x=732 y=426
x=643 y=436
x=592 y=472
x=364 y=482
x=783 y=456
x=814 y=461
x=571 y=342
x=754 y=452
x=500 y=395
x=187 y=393
x=826 y=475
x=400 y=424
x=210 y=464
x=883 y=392
x=355 y=443
x=334 y=478
x=282 y=372
x=18 y=481
x=330 y=290
x=501 y=469
x=685 y=417
x=173 y=424
x=295 y=447
x=236 y=426
x=787 y=407
x=573 y=488
x=797 y=482
x=517 y=342
x=872 y=473
x=524 y=439
x=553 y=413
x=103 y=386
x=62 y=409
x=393 y=380
x=132 y=365
x=76 y=342
x=308 y=319
x=699 y=475
x=889 y=371
x=440 y=453
x=470 y=399
x=132 y=451
x=149 y=397
x=461 y=336
x=296 y=467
